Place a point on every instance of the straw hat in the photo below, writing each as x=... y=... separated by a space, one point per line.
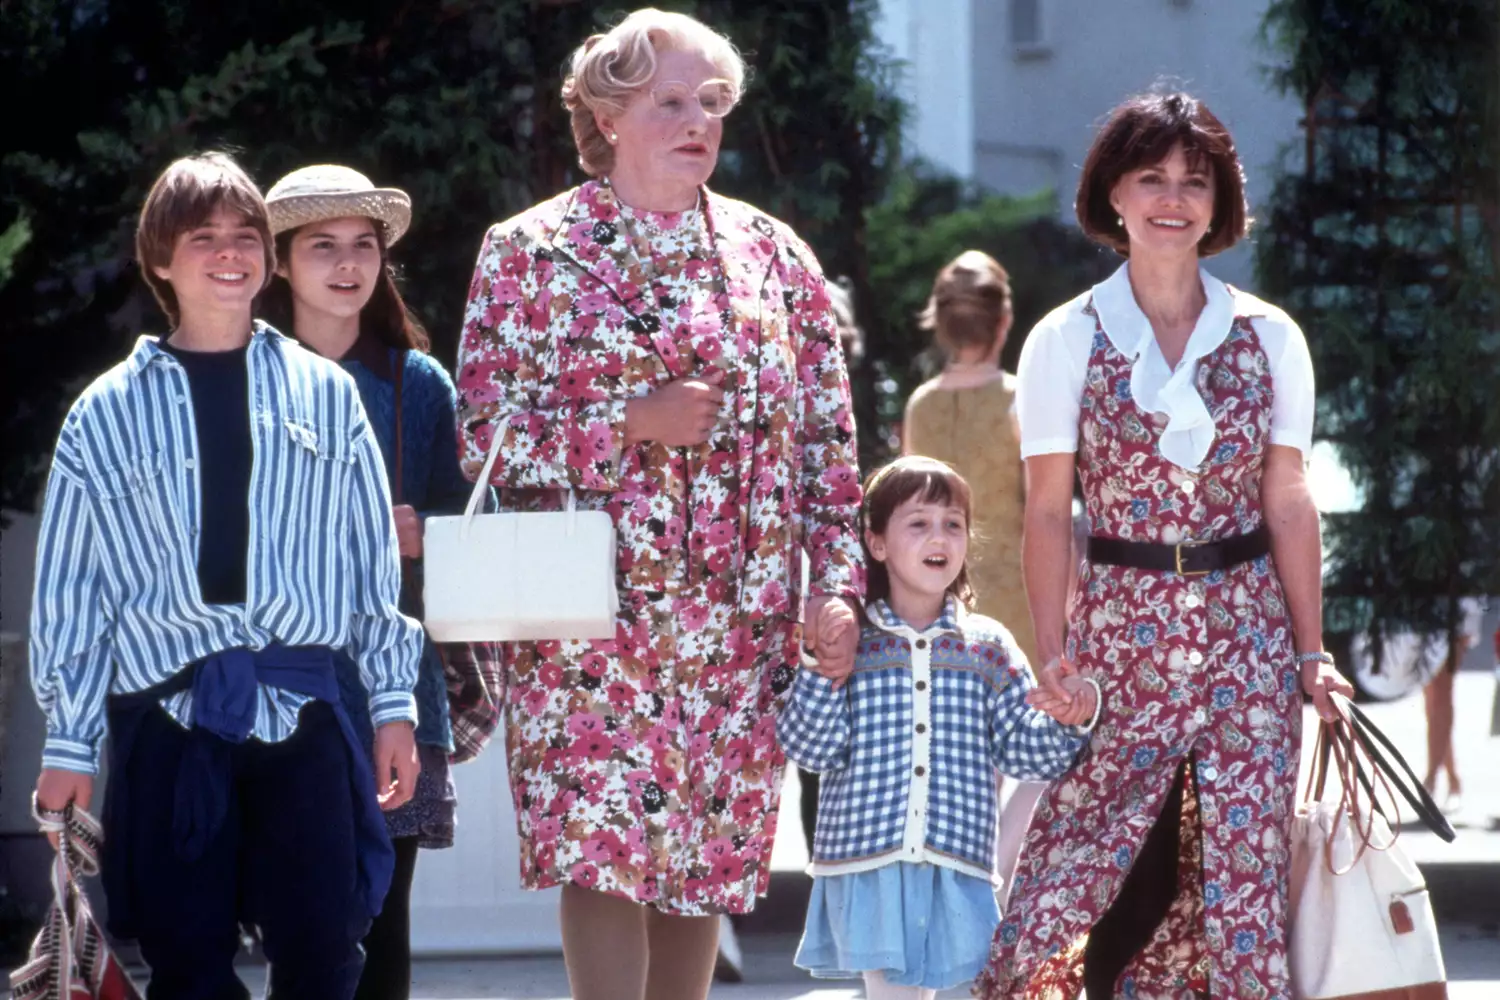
x=328 y=191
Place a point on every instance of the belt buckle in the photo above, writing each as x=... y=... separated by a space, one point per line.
x=1177 y=555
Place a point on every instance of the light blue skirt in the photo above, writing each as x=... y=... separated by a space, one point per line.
x=922 y=925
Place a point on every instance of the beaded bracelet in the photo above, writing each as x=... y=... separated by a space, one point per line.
x=1318 y=657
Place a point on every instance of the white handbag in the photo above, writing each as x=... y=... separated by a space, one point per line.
x=519 y=576
x=1361 y=922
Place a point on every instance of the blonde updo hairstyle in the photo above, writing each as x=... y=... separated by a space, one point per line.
x=609 y=69
x=970 y=299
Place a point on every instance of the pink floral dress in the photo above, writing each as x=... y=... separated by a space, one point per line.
x=646 y=766
x=1197 y=669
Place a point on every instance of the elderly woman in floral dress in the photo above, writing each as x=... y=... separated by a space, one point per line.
x=669 y=354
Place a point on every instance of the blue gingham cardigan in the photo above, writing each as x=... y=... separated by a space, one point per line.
x=909 y=747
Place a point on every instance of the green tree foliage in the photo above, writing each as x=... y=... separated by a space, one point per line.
x=454 y=100
x=926 y=220
x=1384 y=241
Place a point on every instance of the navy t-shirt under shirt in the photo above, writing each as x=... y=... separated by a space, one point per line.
x=220 y=387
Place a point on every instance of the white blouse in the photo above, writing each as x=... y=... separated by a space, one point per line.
x=1055 y=360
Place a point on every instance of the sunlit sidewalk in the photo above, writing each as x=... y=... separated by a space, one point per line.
x=1473 y=966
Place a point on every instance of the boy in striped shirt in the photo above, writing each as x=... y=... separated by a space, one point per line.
x=217 y=521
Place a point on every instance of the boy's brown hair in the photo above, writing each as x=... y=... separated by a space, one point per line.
x=183 y=198
x=927 y=481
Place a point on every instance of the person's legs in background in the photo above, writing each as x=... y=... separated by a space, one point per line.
x=1015 y=820
x=1437 y=699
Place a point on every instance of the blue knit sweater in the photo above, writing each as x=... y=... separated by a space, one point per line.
x=430 y=481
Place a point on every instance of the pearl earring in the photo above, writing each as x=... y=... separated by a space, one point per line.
x=614 y=137
x=1208 y=229
x=1120 y=221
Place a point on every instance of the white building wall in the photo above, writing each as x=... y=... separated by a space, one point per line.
x=935 y=41
x=1035 y=106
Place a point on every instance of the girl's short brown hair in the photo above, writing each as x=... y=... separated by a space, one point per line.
x=970 y=297
x=183 y=198
x=1141 y=132
x=927 y=481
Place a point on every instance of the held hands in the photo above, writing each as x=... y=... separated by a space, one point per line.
x=832 y=634
x=1063 y=694
x=681 y=413
x=408 y=530
x=55 y=788
x=1318 y=679
x=396 y=765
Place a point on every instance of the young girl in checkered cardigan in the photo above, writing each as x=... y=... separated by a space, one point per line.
x=908 y=744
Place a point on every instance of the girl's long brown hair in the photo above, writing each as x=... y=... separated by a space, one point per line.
x=386 y=314
x=911 y=477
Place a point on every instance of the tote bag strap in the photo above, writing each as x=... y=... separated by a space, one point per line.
x=400 y=371
x=1395 y=771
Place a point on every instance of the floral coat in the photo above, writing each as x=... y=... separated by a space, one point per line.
x=646 y=765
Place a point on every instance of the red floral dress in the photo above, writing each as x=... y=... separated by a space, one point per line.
x=1198 y=668
x=646 y=766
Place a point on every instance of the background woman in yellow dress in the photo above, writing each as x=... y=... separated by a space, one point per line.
x=966 y=417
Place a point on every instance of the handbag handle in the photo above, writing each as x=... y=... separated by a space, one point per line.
x=476 y=498
x=1376 y=745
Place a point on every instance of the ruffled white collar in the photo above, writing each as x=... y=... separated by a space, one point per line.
x=1189 y=433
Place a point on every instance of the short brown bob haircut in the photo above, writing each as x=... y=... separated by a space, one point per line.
x=1141 y=132
x=183 y=198
x=925 y=480
x=970 y=298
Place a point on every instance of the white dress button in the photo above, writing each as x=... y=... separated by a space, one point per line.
x=1191 y=601
x=1189 y=486
x=1195 y=657
x=189 y=464
x=1209 y=773
x=1200 y=717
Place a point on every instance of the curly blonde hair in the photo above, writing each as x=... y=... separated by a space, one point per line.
x=607 y=69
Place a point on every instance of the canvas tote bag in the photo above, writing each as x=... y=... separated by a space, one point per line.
x=70 y=959
x=519 y=576
x=1361 y=923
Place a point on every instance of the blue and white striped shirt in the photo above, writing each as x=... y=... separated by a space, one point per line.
x=117 y=607
x=909 y=746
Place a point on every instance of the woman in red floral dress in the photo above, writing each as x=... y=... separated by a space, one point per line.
x=671 y=355
x=1186 y=408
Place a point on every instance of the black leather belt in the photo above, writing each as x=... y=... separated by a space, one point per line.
x=1185 y=559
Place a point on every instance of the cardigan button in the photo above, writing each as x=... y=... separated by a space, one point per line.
x=921 y=643
x=921 y=727
x=921 y=685
x=920 y=770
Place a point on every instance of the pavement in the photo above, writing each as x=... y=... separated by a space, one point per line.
x=1473 y=959
x=1464 y=878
